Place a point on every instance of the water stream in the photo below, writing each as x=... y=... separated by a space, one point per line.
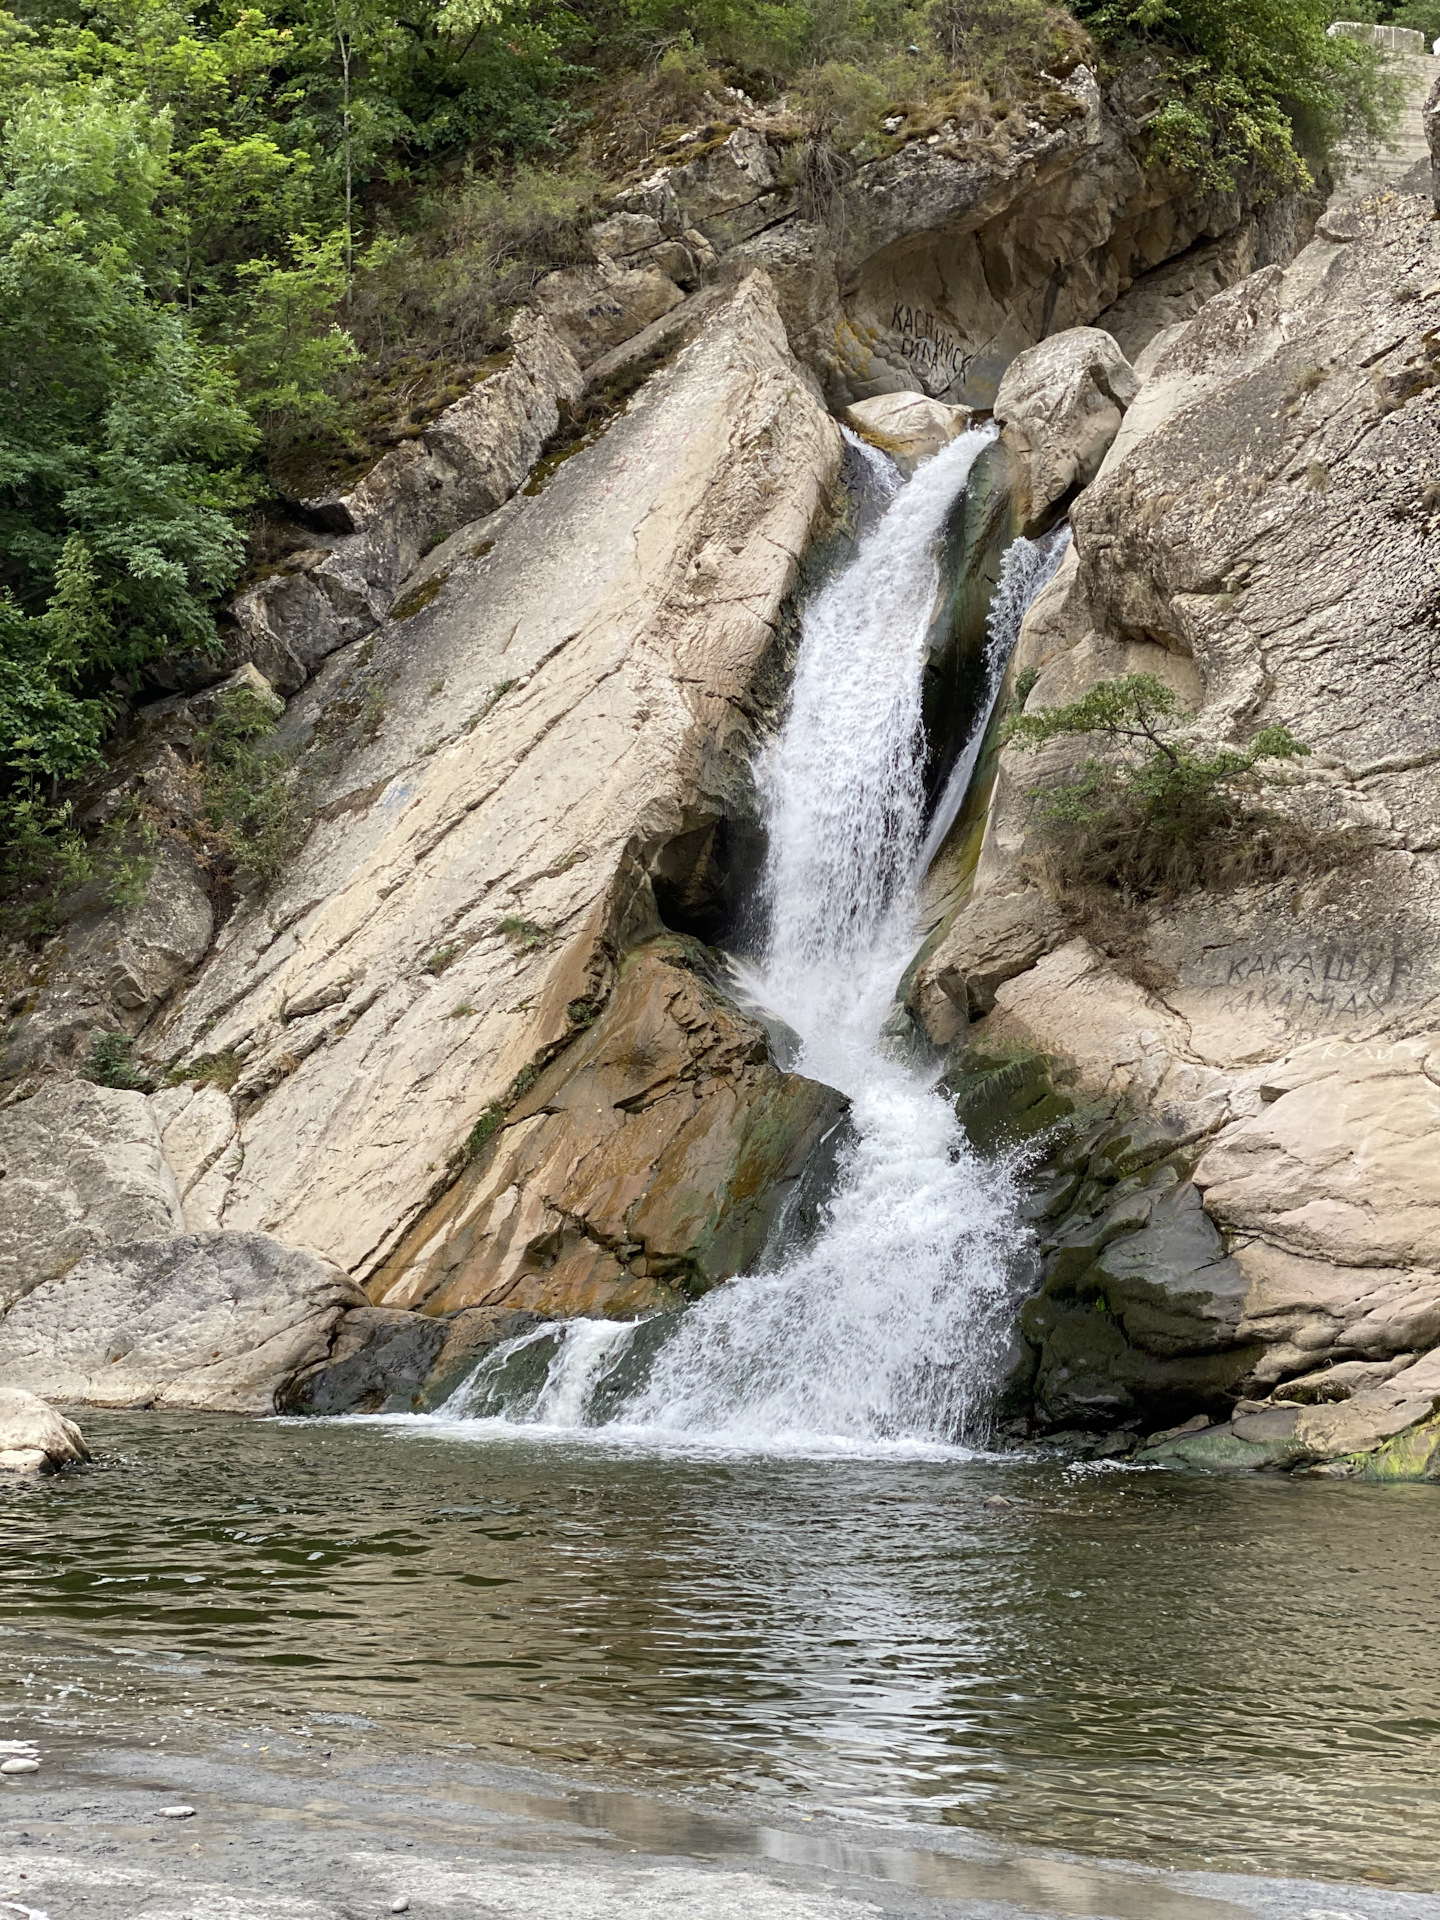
x=885 y=1329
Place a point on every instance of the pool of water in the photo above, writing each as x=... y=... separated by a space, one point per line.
x=1175 y=1670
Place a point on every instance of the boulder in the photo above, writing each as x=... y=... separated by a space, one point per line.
x=34 y=1438
x=910 y=427
x=593 y=309
x=554 y=742
x=1059 y=408
x=219 y=1321
x=649 y=1162
x=1430 y=122
x=81 y=1168
x=378 y=1363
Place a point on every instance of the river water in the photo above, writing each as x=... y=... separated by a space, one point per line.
x=1139 y=1665
x=761 y=1550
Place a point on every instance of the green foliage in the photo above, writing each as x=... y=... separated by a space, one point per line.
x=1003 y=45
x=475 y=1142
x=110 y=1063
x=288 y=355
x=1247 y=83
x=527 y=936
x=253 y=801
x=121 y=443
x=210 y=1069
x=1154 y=816
x=124 y=859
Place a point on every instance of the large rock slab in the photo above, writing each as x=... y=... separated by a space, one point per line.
x=220 y=1321
x=34 y=1438
x=81 y=1167
x=379 y=1362
x=649 y=1162
x=1059 y=407
x=562 y=720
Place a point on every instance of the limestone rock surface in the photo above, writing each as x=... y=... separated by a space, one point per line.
x=593 y=309
x=1059 y=407
x=109 y=969
x=648 y=1162
x=34 y=1438
x=908 y=426
x=379 y=1362
x=467 y=462
x=220 y=1321
x=83 y=1168
x=1257 y=536
x=557 y=732
x=467 y=1337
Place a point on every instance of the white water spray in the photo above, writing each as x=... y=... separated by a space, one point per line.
x=885 y=1328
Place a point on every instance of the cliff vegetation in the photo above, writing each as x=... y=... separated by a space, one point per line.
x=246 y=246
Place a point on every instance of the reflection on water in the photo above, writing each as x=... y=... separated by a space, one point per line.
x=1164 y=1669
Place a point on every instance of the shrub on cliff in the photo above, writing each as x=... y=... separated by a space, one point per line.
x=1150 y=814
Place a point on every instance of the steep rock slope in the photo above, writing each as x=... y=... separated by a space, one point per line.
x=565 y=708
x=1259 y=538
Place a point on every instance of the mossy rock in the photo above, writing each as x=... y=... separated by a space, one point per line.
x=1219 y=1449
x=1001 y=1099
x=1411 y=1455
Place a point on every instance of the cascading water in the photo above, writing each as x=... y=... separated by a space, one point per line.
x=885 y=1327
x=1028 y=566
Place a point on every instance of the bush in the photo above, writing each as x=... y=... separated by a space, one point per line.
x=1004 y=45
x=1154 y=817
x=253 y=800
x=110 y=1063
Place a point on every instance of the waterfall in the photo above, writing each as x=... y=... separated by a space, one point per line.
x=886 y=1327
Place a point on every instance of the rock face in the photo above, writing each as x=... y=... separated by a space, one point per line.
x=215 y=1320
x=1059 y=408
x=592 y=309
x=648 y=1162
x=108 y=970
x=552 y=738
x=83 y=1168
x=1257 y=537
x=379 y=1362
x=466 y=463
x=941 y=262
x=34 y=1438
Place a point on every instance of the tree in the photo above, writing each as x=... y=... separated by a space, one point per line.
x=1154 y=815
x=121 y=439
x=1248 y=83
